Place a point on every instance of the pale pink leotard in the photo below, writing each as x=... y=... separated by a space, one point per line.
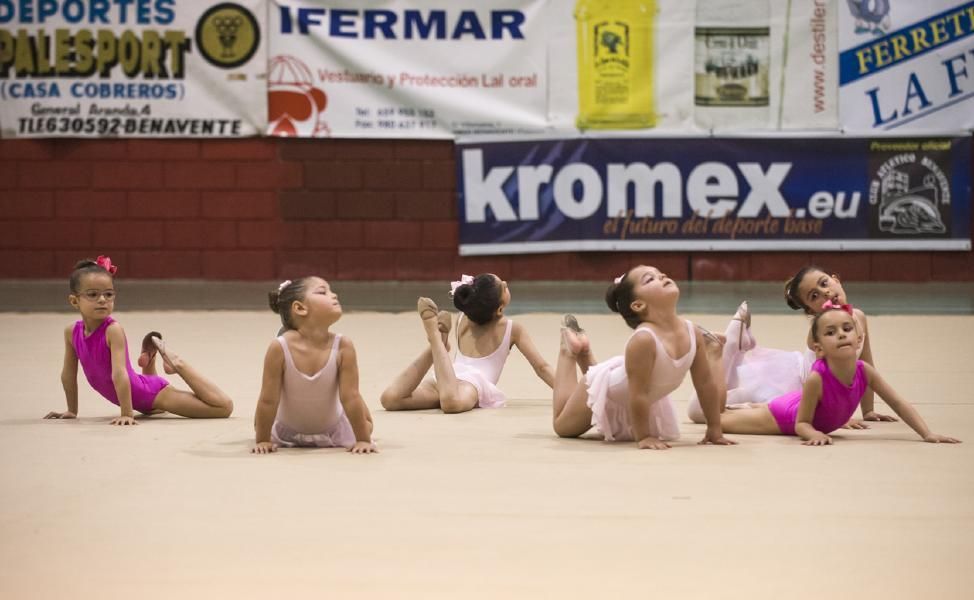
x=484 y=372
x=836 y=406
x=310 y=412
x=96 y=361
x=608 y=391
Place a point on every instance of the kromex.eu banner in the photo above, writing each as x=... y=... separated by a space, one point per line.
x=714 y=194
x=132 y=68
x=397 y=68
x=907 y=66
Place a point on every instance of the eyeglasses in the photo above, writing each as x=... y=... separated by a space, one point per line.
x=94 y=295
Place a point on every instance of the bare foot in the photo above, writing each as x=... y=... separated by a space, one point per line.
x=170 y=362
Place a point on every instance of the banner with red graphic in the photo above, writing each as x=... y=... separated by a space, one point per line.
x=452 y=68
x=152 y=68
x=429 y=69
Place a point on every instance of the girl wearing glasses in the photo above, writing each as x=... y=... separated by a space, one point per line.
x=98 y=342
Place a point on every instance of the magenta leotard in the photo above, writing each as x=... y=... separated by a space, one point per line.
x=835 y=408
x=96 y=361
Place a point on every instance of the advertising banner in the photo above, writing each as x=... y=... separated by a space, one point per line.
x=714 y=194
x=449 y=68
x=427 y=69
x=907 y=66
x=146 y=68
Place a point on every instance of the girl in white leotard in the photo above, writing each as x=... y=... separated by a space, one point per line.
x=625 y=397
x=484 y=340
x=309 y=395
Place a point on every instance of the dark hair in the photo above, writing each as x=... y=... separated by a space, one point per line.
x=283 y=298
x=816 y=318
x=792 y=297
x=479 y=300
x=86 y=267
x=619 y=299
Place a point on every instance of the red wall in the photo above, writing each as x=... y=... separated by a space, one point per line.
x=264 y=209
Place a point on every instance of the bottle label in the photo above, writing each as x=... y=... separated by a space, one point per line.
x=731 y=66
x=611 y=62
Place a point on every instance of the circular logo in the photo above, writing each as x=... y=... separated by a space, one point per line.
x=227 y=35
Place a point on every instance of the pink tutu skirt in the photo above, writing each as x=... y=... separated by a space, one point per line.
x=488 y=394
x=339 y=435
x=608 y=397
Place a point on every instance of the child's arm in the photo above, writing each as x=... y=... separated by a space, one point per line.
x=867 y=404
x=355 y=408
x=640 y=358
x=270 y=396
x=120 y=376
x=712 y=393
x=522 y=340
x=69 y=380
x=903 y=408
x=811 y=394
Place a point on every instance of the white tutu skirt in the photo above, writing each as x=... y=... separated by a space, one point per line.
x=766 y=373
x=488 y=394
x=339 y=435
x=608 y=397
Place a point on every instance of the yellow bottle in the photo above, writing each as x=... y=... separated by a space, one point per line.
x=615 y=64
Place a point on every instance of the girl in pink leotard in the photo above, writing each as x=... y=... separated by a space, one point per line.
x=832 y=390
x=98 y=342
x=309 y=396
x=626 y=397
x=755 y=374
x=484 y=340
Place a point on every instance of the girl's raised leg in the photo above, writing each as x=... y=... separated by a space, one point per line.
x=206 y=401
x=455 y=396
x=571 y=416
x=408 y=391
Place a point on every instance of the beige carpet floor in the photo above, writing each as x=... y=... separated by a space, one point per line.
x=487 y=504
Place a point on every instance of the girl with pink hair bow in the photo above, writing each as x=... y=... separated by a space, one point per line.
x=98 y=343
x=755 y=374
x=832 y=390
x=484 y=340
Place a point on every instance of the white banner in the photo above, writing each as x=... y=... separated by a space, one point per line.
x=152 y=68
x=907 y=66
x=428 y=69
x=445 y=68
x=792 y=43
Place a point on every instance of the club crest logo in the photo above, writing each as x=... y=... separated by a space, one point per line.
x=909 y=195
x=227 y=35
x=872 y=16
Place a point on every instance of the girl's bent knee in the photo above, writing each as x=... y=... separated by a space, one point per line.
x=564 y=432
x=226 y=410
x=451 y=407
x=389 y=401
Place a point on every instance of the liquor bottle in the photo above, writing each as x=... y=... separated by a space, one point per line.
x=731 y=64
x=615 y=64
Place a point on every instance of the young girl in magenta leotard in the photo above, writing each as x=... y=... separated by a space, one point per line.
x=98 y=342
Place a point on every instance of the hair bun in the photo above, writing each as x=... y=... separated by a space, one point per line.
x=272 y=299
x=461 y=296
x=610 y=297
